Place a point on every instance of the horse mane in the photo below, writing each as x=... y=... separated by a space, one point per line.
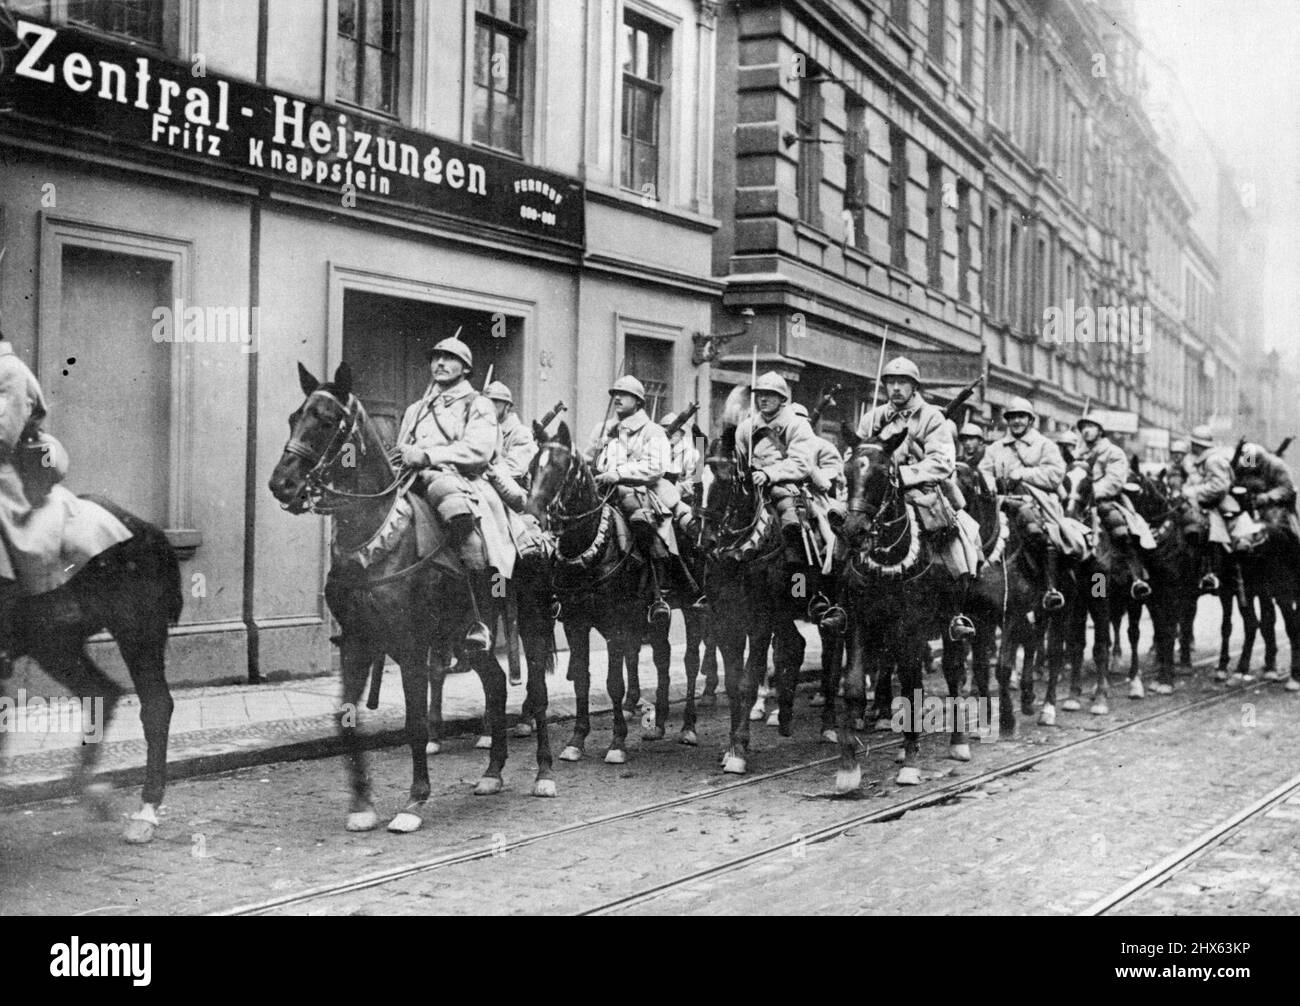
x=736 y=406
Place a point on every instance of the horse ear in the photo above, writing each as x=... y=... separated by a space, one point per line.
x=539 y=432
x=306 y=381
x=728 y=441
x=894 y=441
x=343 y=379
x=563 y=436
x=1163 y=473
x=850 y=436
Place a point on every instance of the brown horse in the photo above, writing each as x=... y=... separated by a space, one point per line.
x=386 y=597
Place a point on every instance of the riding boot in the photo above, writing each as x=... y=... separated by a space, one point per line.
x=659 y=613
x=960 y=626
x=693 y=590
x=468 y=542
x=1209 y=582
x=1053 y=599
x=794 y=550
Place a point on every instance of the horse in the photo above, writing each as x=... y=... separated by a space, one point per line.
x=603 y=583
x=386 y=597
x=1268 y=567
x=132 y=590
x=1169 y=566
x=752 y=598
x=899 y=597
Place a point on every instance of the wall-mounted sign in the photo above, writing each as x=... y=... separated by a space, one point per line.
x=943 y=367
x=70 y=82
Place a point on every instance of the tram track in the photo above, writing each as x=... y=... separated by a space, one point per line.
x=450 y=860
x=1190 y=853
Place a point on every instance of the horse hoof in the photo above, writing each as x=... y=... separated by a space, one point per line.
x=1162 y=689
x=688 y=737
x=817 y=701
x=830 y=737
x=1292 y=685
x=522 y=730
x=1276 y=675
x=900 y=756
x=733 y=765
x=653 y=734
x=1220 y=675
x=774 y=717
x=433 y=747
x=544 y=788
x=1071 y=705
x=139 y=831
x=1047 y=715
x=363 y=820
x=883 y=723
x=757 y=713
x=571 y=753
x=405 y=823
x=615 y=756
x=909 y=775
x=1099 y=708
x=1241 y=679
x=848 y=780
x=98 y=797
x=483 y=743
x=1136 y=691
x=489 y=785
x=959 y=752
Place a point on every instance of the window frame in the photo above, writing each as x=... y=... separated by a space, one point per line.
x=934 y=222
x=857 y=146
x=177 y=17
x=664 y=35
x=936 y=36
x=899 y=174
x=524 y=32
x=810 y=169
x=408 y=24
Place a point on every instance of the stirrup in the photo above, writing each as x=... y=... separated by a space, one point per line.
x=960 y=627
x=701 y=603
x=835 y=620
x=555 y=610
x=1053 y=600
x=818 y=606
x=478 y=639
x=1209 y=584
x=1140 y=590
x=659 y=613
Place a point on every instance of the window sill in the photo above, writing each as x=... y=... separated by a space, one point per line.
x=629 y=199
x=499 y=152
x=813 y=233
x=900 y=33
x=366 y=110
x=860 y=255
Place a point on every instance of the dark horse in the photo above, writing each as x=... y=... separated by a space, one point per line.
x=385 y=595
x=899 y=597
x=603 y=583
x=134 y=591
x=751 y=600
x=1268 y=570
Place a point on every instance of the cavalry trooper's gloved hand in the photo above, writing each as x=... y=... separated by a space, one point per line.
x=413 y=457
x=1003 y=485
x=760 y=479
x=606 y=479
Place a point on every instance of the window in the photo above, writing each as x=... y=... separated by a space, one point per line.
x=899 y=12
x=855 y=172
x=651 y=360
x=966 y=11
x=934 y=223
x=1012 y=300
x=368 y=53
x=997 y=96
x=993 y=263
x=500 y=37
x=1020 y=79
x=645 y=47
x=141 y=20
x=963 y=240
x=808 y=127
x=897 y=197
x=936 y=38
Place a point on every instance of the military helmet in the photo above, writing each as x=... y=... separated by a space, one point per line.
x=970 y=430
x=454 y=347
x=1089 y=417
x=1178 y=447
x=498 y=392
x=1203 y=436
x=1066 y=436
x=901 y=366
x=628 y=385
x=1022 y=405
x=800 y=410
x=774 y=382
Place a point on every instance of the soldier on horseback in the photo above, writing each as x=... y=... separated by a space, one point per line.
x=1067 y=442
x=631 y=453
x=683 y=461
x=1027 y=465
x=970 y=445
x=926 y=461
x=1108 y=469
x=46 y=533
x=508 y=472
x=1269 y=490
x=1176 y=473
x=1207 y=490
x=450 y=437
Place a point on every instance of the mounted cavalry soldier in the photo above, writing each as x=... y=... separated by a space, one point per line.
x=926 y=461
x=777 y=446
x=1026 y=465
x=1108 y=470
x=1176 y=473
x=970 y=445
x=683 y=463
x=508 y=472
x=1212 y=507
x=46 y=533
x=1269 y=489
x=631 y=453
x=450 y=437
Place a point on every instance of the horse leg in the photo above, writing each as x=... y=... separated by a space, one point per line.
x=620 y=641
x=493 y=677
x=1250 y=628
x=694 y=638
x=954 y=675
x=1268 y=630
x=413 y=664
x=750 y=675
x=832 y=663
x=355 y=657
x=537 y=655
x=632 y=656
x=792 y=649
x=510 y=619
x=848 y=776
x=910 y=661
x=1226 y=601
x=661 y=654
x=145 y=656
x=436 y=668
x=709 y=665
x=1101 y=654
x=1134 y=638
x=579 y=637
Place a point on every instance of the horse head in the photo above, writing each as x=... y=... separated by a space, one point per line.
x=325 y=436
x=553 y=467
x=1078 y=490
x=871 y=476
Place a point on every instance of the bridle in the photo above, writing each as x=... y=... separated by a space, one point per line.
x=555 y=510
x=320 y=497
x=876 y=523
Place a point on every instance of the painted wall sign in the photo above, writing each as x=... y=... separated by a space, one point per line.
x=71 y=81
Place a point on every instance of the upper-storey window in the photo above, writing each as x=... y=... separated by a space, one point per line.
x=808 y=127
x=898 y=10
x=152 y=22
x=500 y=47
x=936 y=34
x=369 y=47
x=645 y=54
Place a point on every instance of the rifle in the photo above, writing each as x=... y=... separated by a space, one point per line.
x=954 y=409
x=1236 y=455
x=549 y=418
x=823 y=403
x=1283 y=446
x=680 y=422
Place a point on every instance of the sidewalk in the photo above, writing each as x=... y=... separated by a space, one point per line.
x=235 y=726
